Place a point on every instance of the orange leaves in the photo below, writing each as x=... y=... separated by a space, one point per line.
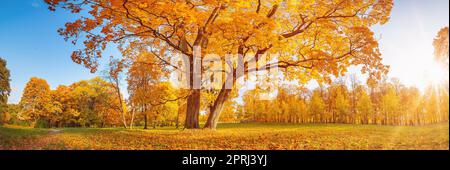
x=317 y=38
x=332 y=34
x=52 y=4
x=72 y=30
x=85 y=103
x=89 y=24
x=236 y=137
x=36 y=99
x=381 y=11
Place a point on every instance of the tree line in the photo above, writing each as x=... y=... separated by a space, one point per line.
x=95 y=103
x=384 y=103
x=90 y=103
x=87 y=103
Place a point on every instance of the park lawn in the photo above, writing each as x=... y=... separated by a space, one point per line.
x=255 y=136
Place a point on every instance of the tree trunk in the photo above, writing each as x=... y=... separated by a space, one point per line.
x=155 y=118
x=145 y=117
x=193 y=100
x=193 y=110
x=132 y=118
x=122 y=111
x=154 y=122
x=217 y=108
x=145 y=121
x=177 y=123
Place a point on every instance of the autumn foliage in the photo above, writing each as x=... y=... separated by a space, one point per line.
x=386 y=103
x=440 y=44
x=253 y=74
x=251 y=136
x=317 y=39
x=89 y=103
x=5 y=91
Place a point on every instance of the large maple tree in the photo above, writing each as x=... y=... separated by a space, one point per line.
x=316 y=38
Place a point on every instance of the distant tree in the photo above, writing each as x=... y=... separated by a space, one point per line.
x=143 y=85
x=432 y=108
x=5 y=88
x=62 y=97
x=36 y=101
x=317 y=106
x=390 y=103
x=441 y=54
x=364 y=106
x=354 y=85
x=10 y=116
x=343 y=107
x=229 y=113
x=441 y=46
x=95 y=103
x=409 y=103
x=116 y=67
x=444 y=104
x=250 y=107
x=163 y=102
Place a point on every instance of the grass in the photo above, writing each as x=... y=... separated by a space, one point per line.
x=255 y=136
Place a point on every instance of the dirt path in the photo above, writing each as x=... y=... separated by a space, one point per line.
x=54 y=132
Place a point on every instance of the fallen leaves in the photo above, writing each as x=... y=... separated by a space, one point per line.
x=236 y=137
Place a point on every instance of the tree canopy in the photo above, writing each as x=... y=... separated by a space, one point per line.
x=5 y=88
x=440 y=44
x=315 y=39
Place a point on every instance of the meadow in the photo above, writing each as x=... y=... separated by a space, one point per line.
x=252 y=136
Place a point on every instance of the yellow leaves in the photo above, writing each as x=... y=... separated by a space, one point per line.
x=319 y=38
x=441 y=46
x=143 y=5
x=293 y=4
x=318 y=25
x=381 y=11
x=35 y=98
x=250 y=136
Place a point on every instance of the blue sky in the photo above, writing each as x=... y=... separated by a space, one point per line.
x=32 y=47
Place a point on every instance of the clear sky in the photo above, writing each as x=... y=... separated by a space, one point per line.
x=406 y=41
x=33 y=48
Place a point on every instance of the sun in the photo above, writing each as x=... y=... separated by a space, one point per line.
x=421 y=70
x=435 y=73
